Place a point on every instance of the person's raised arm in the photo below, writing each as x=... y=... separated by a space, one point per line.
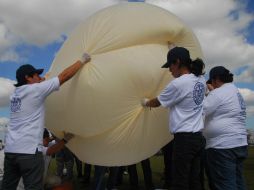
x=70 y=71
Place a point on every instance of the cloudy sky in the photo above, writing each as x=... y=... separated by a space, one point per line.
x=33 y=31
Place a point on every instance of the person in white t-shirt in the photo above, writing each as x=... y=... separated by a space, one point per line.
x=23 y=148
x=225 y=132
x=184 y=97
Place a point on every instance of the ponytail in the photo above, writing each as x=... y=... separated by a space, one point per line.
x=197 y=67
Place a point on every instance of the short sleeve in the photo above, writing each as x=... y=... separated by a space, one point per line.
x=169 y=96
x=45 y=88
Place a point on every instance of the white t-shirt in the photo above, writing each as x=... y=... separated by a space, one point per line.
x=184 y=96
x=25 y=130
x=225 y=118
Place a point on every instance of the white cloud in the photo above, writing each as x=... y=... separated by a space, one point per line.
x=41 y=22
x=7 y=42
x=218 y=33
x=4 y=121
x=248 y=96
x=220 y=28
x=246 y=76
x=6 y=88
x=250 y=111
x=10 y=55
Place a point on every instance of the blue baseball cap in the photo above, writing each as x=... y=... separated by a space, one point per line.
x=24 y=70
x=176 y=53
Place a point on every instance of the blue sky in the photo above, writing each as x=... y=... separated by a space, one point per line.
x=40 y=57
x=33 y=32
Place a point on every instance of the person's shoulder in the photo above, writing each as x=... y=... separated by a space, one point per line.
x=179 y=79
x=230 y=86
x=227 y=87
x=186 y=78
x=24 y=89
x=220 y=92
x=52 y=80
x=46 y=83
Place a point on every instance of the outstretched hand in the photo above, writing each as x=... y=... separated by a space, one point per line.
x=144 y=102
x=85 y=58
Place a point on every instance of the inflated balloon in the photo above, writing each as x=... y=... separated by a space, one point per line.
x=128 y=44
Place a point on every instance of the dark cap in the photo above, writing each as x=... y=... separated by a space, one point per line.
x=217 y=71
x=24 y=70
x=176 y=53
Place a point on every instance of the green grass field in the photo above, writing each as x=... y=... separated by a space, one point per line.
x=157 y=168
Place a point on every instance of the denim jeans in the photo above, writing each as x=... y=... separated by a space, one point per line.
x=28 y=166
x=224 y=168
x=187 y=150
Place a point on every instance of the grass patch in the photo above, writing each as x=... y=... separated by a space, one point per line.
x=157 y=166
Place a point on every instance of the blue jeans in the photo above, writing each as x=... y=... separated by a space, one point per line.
x=224 y=168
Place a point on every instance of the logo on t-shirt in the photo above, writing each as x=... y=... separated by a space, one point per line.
x=15 y=104
x=198 y=93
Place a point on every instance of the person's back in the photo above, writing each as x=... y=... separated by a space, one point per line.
x=187 y=104
x=225 y=131
x=184 y=98
x=225 y=126
x=27 y=117
x=23 y=150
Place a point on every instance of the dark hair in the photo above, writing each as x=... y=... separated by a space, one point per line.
x=196 y=67
x=226 y=78
x=221 y=73
x=23 y=71
x=45 y=133
x=23 y=81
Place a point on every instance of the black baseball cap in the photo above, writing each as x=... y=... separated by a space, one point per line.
x=176 y=53
x=217 y=71
x=24 y=70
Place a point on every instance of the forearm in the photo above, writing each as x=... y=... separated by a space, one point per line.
x=69 y=72
x=55 y=148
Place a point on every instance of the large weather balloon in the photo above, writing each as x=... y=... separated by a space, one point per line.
x=128 y=44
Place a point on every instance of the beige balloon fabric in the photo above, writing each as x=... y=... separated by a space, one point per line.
x=128 y=44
